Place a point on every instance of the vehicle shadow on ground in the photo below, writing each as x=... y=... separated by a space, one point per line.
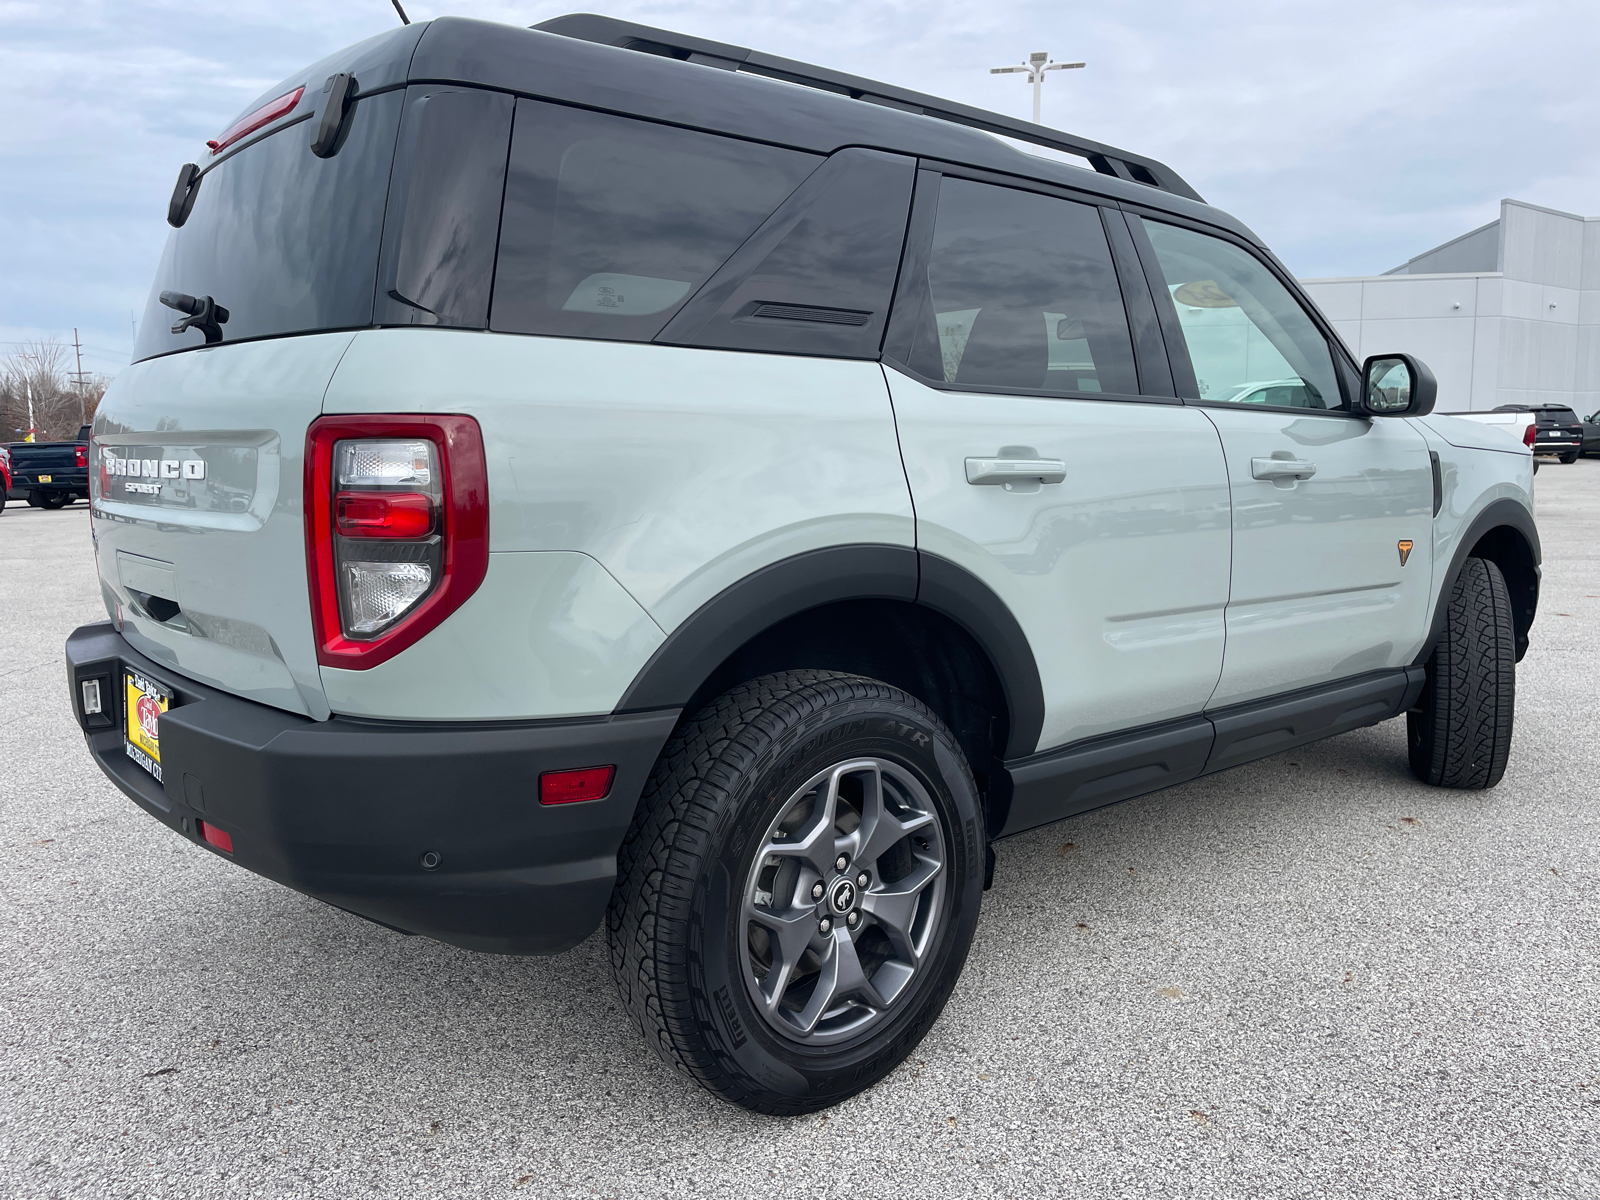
x=301 y=991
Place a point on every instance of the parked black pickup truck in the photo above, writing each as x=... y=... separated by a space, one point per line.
x=50 y=474
x=1559 y=431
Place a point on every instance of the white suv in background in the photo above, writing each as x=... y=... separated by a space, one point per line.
x=575 y=476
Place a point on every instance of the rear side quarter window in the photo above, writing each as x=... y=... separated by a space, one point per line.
x=611 y=224
x=444 y=208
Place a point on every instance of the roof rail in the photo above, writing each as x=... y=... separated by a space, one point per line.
x=1108 y=160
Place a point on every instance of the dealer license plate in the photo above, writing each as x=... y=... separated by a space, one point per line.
x=47 y=479
x=146 y=701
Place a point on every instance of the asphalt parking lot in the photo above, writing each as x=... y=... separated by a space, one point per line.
x=1312 y=976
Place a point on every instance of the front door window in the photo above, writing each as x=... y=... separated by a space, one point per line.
x=1249 y=340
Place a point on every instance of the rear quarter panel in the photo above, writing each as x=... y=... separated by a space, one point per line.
x=676 y=471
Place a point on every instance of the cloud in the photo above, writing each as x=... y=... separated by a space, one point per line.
x=1350 y=136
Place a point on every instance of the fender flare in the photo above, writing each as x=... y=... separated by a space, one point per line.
x=1502 y=513
x=780 y=590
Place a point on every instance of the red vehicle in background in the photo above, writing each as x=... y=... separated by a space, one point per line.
x=5 y=475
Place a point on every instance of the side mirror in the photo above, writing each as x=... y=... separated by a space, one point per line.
x=1397 y=385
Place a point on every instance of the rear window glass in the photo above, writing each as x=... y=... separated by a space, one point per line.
x=285 y=241
x=611 y=224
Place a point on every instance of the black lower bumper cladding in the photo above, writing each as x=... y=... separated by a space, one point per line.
x=431 y=828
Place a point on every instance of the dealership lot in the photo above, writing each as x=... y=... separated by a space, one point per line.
x=1312 y=976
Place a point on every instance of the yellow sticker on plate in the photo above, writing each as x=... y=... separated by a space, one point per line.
x=146 y=702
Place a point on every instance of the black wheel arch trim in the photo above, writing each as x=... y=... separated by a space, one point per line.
x=1504 y=513
x=790 y=586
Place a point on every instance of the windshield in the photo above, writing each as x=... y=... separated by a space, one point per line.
x=285 y=241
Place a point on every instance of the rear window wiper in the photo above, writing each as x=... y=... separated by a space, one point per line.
x=204 y=314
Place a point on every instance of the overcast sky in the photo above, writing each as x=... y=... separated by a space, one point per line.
x=1349 y=135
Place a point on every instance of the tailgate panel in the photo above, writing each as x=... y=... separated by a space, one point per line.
x=197 y=480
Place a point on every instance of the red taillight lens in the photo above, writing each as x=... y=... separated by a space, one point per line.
x=250 y=122
x=569 y=787
x=82 y=456
x=215 y=837
x=383 y=514
x=1527 y=438
x=397 y=530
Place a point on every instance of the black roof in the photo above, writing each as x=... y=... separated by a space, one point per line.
x=595 y=62
x=1108 y=160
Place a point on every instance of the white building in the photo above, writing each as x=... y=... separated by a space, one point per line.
x=1506 y=314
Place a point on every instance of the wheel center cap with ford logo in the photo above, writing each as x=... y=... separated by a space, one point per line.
x=842 y=896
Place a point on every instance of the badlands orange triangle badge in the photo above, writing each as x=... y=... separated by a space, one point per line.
x=1405 y=550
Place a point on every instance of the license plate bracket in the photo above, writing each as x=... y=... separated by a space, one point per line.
x=145 y=701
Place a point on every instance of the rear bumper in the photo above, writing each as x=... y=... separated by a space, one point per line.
x=23 y=485
x=344 y=810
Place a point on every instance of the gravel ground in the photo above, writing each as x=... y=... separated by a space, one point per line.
x=1312 y=976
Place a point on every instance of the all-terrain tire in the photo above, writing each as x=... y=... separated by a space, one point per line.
x=675 y=926
x=1460 y=732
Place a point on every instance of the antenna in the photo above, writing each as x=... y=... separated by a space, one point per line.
x=404 y=20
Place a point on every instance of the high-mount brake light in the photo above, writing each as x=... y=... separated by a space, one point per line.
x=250 y=122
x=397 y=530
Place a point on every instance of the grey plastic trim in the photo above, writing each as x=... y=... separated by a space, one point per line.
x=715 y=631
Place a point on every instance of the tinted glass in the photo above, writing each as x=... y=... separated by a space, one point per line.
x=444 y=208
x=1249 y=340
x=816 y=278
x=611 y=224
x=1022 y=294
x=287 y=242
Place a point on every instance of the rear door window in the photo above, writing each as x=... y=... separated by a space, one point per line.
x=611 y=224
x=1022 y=295
x=1249 y=340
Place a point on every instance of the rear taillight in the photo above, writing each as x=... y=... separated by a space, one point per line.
x=1527 y=438
x=82 y=455
x=397 y=530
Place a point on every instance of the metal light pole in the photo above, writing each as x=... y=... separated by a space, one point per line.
x=27 y=384
x=1038 y=63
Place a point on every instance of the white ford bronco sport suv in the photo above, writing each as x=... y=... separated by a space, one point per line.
x=588 y=475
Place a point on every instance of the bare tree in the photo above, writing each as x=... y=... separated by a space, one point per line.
x=36 y=393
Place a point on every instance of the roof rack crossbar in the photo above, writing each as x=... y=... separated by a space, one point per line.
x=627 y=35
